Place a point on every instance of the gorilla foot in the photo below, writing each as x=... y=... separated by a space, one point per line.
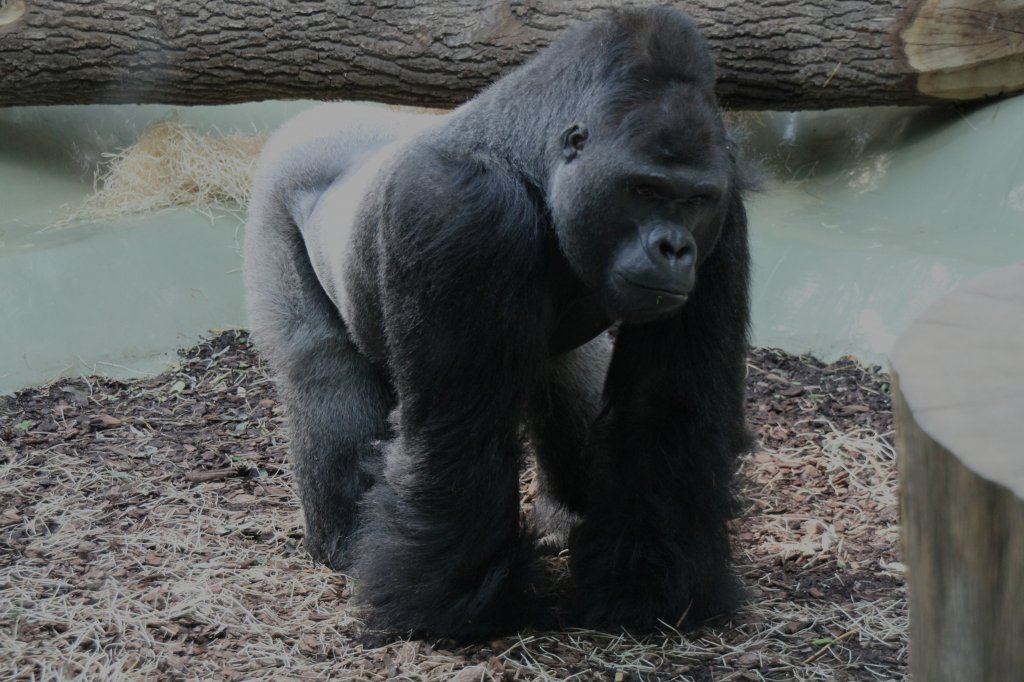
x=333 y=550
x=412 y=597
x=330 y=532
x=551 y=523
x=645 y=608
x=644 y=581
x=428 y=578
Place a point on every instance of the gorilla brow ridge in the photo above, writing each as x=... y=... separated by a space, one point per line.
x=645 y=54
x=605 y=69
x=659 y=46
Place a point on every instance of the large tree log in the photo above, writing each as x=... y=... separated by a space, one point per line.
x=770 y=54
x=959 y=371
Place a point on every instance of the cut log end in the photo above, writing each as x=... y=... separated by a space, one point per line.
x=966 y=49
x=11 y=12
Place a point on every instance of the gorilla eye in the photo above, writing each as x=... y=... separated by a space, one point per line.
x=703 y=193
x=645 y=191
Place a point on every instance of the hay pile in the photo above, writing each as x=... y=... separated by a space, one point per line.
x=148 y=531
x=173 y=165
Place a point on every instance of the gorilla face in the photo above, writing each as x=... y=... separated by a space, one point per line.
x=639 y=203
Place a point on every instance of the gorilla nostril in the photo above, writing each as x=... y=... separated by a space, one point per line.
x=676 y=251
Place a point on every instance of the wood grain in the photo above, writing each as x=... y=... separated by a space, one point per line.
x=770 y=54
x=959 y=400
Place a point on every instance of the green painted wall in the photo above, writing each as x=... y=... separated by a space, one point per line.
x=865 y=216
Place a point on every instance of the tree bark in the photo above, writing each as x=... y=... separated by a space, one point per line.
x=959 y=373
x=770 y=54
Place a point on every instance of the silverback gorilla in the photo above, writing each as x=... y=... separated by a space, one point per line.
x=431 y=292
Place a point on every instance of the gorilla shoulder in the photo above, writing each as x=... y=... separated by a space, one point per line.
x=454 y=220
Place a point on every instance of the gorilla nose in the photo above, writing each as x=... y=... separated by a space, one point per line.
x=672 y=247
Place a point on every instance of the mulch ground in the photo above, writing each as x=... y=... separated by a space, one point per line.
x=148 y=531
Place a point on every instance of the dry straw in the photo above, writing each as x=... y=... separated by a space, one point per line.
x=148 y=531
x=173 y=165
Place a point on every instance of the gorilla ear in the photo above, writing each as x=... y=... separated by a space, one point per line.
x=573 y=140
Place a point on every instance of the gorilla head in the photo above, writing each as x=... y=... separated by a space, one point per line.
x=639 y=171
x=428 y=296
x=636 y=199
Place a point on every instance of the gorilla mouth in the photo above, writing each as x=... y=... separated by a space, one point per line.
x=661 y=291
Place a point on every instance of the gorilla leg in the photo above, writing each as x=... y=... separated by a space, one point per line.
x=440 y=551
x=335 y=401
x=337 y=405
x=654 y=542
x=559 y=422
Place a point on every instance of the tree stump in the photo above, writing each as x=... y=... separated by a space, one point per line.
x=959 y=397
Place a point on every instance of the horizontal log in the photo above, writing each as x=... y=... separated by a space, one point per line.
x=774 y=55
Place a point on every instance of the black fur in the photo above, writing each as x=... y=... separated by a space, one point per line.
x=429 y=291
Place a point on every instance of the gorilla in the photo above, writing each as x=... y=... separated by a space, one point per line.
x=432 y=293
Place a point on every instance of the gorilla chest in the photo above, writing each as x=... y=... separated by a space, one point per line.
x=574 y=323
x=573 y=315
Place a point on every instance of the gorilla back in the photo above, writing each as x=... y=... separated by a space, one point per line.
x=426 y=289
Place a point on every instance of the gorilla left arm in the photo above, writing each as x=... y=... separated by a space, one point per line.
x=654 y=544
x=461 y=261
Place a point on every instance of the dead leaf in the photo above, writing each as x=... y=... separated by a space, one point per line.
x=104 y=421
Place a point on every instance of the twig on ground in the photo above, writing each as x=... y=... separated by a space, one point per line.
x=822 y=651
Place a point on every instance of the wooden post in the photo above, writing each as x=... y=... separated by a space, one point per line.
x=959 y=398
